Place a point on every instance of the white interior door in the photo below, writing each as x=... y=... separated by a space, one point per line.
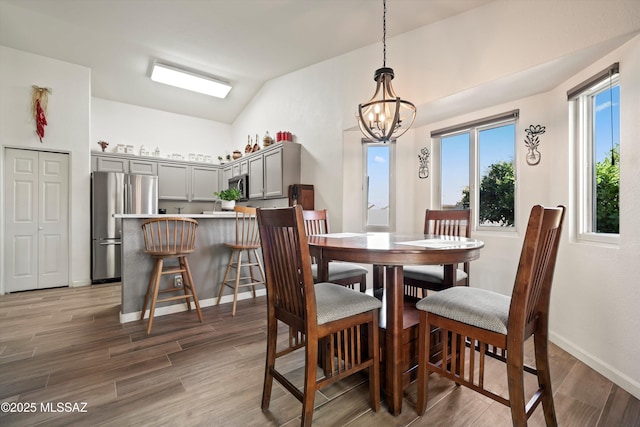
x=36 y=220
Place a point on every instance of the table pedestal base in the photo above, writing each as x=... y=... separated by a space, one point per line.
x=410 y=329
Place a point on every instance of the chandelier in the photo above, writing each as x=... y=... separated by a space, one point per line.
x=385 y=115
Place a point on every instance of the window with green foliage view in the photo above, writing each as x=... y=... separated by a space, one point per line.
x=596 y=128
x=492 y=174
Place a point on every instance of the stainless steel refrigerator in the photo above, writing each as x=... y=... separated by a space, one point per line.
x=116 y=193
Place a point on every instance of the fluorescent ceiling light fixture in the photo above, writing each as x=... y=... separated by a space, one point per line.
x=189 y=80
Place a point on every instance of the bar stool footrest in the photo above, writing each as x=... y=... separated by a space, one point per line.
x=174 y=298
x=173 y=270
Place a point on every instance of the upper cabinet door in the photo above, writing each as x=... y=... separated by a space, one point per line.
x=204 y=182
x=143 y=167
x=173 y=181
x=256 y=177
x=244 y=167
x=226 y=174
x=110 y=164
x=273 y=173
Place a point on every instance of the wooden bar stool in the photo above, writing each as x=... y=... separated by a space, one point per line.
x=169 y=238
x=247 y=242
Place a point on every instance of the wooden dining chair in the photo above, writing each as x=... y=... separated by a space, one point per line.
x=169 y=237
x=244 y=255
x=418 y=278
x=497 y=325
x=322 y=314
x=341 y=273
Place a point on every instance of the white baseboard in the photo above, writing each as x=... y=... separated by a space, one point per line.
x=611 y=373
x=80 y=283
x=176 y=308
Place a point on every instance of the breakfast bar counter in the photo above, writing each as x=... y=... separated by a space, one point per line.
x=208 y=262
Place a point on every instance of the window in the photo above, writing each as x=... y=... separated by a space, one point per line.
x=454 y=157
x=379 y=178
x=477 y=170
x=595 y=113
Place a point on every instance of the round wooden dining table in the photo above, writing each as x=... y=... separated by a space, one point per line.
x=389 y=252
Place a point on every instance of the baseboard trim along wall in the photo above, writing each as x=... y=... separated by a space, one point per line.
x=611 y=373
x=177 y=308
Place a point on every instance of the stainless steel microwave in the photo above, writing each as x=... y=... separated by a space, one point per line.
x=241 y=182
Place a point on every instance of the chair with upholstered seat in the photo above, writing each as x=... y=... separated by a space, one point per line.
x=247 y=243
x=342 y=273
x=322 y=314
x=454 y=222
x=497 y=325
x=169 y=237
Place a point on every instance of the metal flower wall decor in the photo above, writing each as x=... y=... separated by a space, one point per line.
x=532 y=141
x=423 y=169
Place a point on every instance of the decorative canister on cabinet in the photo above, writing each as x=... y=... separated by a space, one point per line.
x=267 y=140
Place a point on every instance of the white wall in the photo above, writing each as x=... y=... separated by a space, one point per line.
x=594 y=303
x=119 y=123
x=67 y=131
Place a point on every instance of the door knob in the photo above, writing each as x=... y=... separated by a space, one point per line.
x=40 y=228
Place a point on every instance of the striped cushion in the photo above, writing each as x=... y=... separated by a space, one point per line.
x=478 y=307
x=430 y=273
x=334 y=302
x=340 y=270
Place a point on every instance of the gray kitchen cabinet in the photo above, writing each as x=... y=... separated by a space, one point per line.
x=240 y=167
x=204 y=182
x=244 y=167
x=256 y=177
x=273 y=170
x=111 y=164
x=177 y=180
x=173 y=181
x=192 y=183
x=227 y=173
x=143 y=167
x=124 y=164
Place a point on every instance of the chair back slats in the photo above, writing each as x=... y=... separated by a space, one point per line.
x=316 y=222
x=289 y=279
x=454 y=222
x=170 y=235
x=532 y=289
x=247 y=233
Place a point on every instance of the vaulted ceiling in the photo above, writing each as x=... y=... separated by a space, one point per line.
x=246 y=42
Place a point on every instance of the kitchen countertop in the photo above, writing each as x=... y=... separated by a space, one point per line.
x=230 y=214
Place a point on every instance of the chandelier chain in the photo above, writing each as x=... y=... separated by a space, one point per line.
x=384 y=33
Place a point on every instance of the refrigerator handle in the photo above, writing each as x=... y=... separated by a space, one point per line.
x=127 y=195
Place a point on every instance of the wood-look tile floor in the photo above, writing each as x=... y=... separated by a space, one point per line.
x=65 y=347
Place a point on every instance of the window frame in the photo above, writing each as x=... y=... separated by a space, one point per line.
x=473 y=129
x=581 y=113
x=366 y=143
